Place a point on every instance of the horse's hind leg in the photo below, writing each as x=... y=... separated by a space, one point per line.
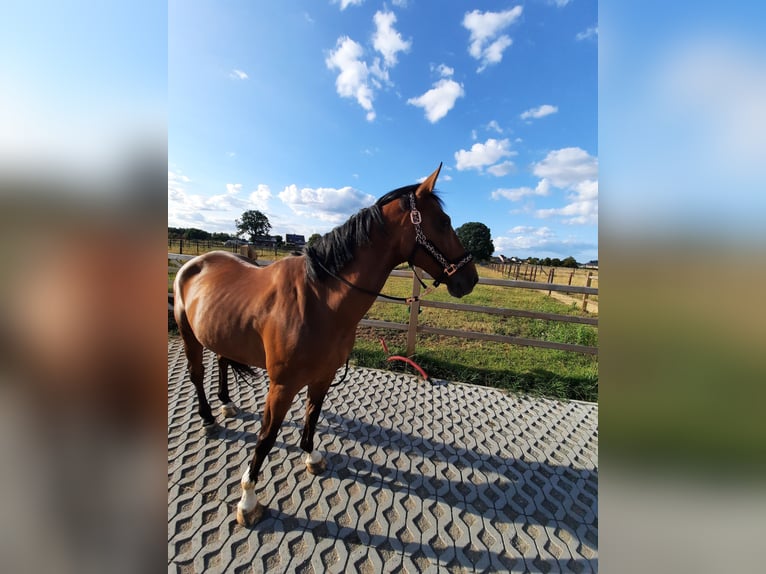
x=228 y=408
x=194 y=355
x=193 y=350
x=315 y=462
x=278 y=402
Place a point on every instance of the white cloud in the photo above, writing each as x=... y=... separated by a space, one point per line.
x=501 y=169
x=561 y=3
x=543 y=188
x=485 y=44
x=238 y=75
x=526 y=241
x=358 y=78
x=353 y=79
x=227 y=201
x=439 y=100
x=567 y=167
x=571 y=169
x=214 y=213
x=577 y=171
x=493 y=125
x=260 y=197
x=582 y=208
x=482 y=155
x=443 y=70
x=539 y=112
x=386 y=39
x=589 y=33
x=325 y=203
x=175 y=178
x=346 y=3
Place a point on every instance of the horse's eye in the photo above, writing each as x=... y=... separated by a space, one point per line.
x=446 y=223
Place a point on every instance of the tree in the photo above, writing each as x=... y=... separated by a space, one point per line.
x=253 y=223
x=313 y=239
x=569 y=262
x=476 y=239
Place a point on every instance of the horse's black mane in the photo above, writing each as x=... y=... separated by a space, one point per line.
x=337 y=248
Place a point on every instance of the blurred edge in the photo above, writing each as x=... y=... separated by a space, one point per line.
x=83 y=161
x=682 y=328
x=682 y=118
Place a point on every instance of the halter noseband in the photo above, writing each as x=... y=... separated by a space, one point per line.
x=449 y=267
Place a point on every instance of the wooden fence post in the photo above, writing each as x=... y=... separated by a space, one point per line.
x=550 y=278
x=412 y=327
x=585 y=295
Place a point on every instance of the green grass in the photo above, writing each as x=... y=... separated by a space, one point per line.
x=527 y=370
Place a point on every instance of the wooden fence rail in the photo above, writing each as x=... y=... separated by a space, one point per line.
x=412 y=327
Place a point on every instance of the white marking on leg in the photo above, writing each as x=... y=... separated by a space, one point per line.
x=313 y=457
x=247 y=502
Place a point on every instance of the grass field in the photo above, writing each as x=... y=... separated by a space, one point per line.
x=528 y=370
x=525 y=370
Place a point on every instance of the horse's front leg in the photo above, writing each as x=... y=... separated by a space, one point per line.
x=315 y=462
x=228 y=408
x=278 y=402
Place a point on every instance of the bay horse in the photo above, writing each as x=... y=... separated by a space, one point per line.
x=297 y=318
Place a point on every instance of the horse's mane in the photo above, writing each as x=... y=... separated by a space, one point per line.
x=336 y=248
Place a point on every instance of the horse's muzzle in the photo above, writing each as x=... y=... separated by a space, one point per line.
x=462 y=283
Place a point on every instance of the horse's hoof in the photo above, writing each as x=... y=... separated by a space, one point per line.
x=316 y=468
x=315 y=463
x=249 y=517
x=229 y=410
x=210 y=428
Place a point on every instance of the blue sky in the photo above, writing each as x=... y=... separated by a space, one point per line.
x=310 y=110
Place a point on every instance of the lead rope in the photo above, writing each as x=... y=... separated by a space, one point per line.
x=363 y=289
x=343 y=378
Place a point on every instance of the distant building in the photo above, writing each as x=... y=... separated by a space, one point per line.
x=591 y=264
x=295 y=240
x=265 y=240
x=234 y=242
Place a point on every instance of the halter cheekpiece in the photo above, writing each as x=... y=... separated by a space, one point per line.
x=449 y=268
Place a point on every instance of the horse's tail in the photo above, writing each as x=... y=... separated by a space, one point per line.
x=244 y=372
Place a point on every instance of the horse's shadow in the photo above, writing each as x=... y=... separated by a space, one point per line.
x=518 y=496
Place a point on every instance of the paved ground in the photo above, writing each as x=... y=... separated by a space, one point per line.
x=421 y=477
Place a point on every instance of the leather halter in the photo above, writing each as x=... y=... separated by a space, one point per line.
x=449 y=268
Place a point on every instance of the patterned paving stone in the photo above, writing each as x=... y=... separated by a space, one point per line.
x=421 y=478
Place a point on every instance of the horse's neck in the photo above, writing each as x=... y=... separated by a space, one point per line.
x=369 y=270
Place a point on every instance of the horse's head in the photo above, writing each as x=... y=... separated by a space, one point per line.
x=433 y=243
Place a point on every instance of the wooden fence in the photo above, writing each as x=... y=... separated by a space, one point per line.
x=412 y=327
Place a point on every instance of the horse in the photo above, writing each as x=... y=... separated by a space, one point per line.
x=297 y=317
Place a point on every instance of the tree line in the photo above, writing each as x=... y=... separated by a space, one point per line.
x=253 y=223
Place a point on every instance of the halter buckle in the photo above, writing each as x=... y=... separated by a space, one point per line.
x=415 y=217
x=450 y=270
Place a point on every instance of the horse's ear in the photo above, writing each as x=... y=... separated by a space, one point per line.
x=428 y=184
